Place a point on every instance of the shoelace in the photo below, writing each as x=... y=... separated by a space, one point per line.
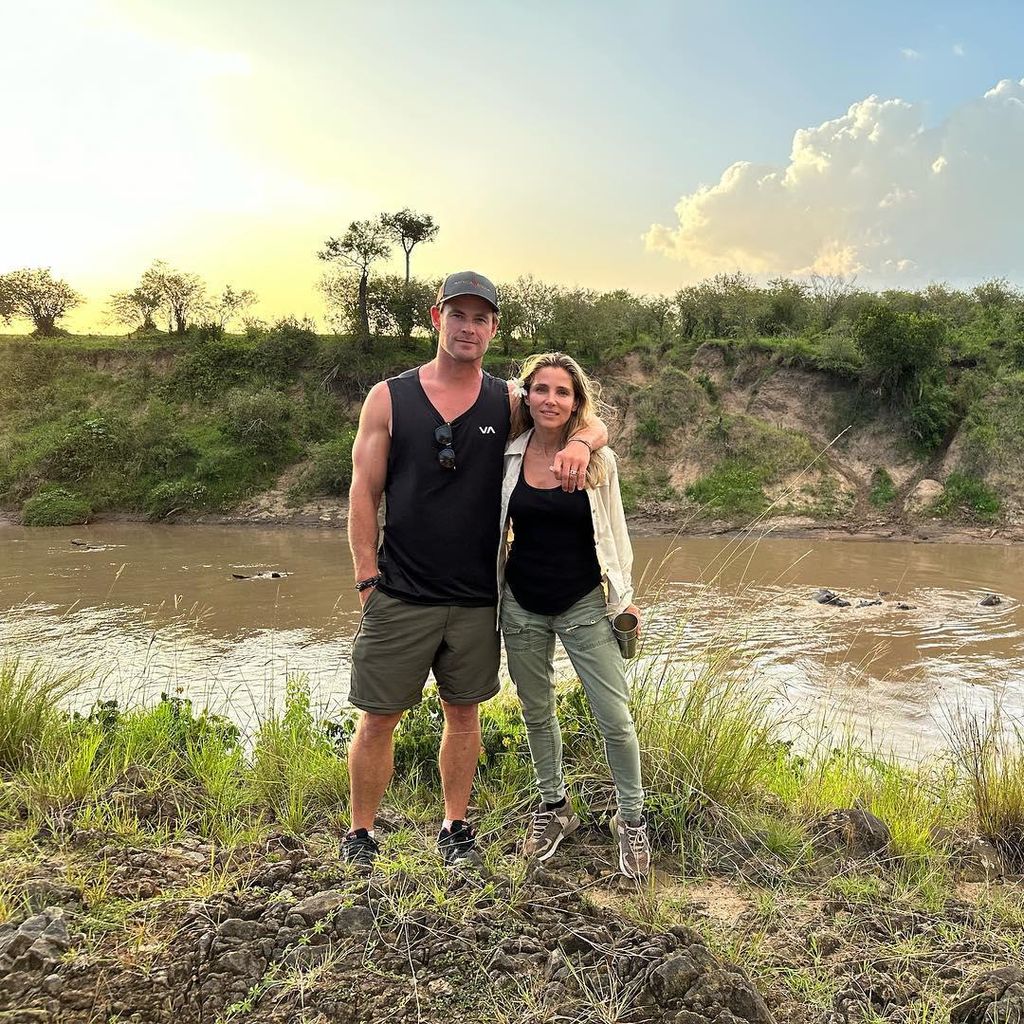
x=541 y=820
x=636 y=836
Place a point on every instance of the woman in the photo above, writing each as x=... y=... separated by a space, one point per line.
x=567 y=573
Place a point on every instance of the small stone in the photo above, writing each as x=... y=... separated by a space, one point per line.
x=323 y=903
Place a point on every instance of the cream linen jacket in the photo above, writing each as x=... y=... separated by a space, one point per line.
x=614 y=551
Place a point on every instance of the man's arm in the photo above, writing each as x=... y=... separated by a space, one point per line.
x=576 y=454
x=369 y=470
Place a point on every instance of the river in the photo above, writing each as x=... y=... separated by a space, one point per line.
x=145 y=609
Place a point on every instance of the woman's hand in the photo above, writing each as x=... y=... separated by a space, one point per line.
x=632 y=609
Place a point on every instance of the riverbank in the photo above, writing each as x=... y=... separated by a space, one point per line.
x=158 y=866
x=334 y=516
x=710 y=436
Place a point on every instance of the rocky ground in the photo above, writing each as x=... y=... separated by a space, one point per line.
x=276 y=930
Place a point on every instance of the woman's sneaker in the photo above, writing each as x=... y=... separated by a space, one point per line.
x=548 y=829
x=634 y=847
x=359 y=848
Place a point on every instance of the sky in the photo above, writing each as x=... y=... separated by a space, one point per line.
x=642 y=145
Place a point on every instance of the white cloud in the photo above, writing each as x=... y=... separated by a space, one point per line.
x=958 y=49
x=910 y=54
x=874 y=193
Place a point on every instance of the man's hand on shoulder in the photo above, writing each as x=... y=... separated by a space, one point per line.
x=570 y=465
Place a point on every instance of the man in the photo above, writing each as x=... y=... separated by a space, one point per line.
x=431 y=441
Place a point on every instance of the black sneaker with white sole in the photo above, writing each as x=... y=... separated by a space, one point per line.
x=359 y=848
x=457 y=845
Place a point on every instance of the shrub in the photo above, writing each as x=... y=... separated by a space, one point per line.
x=651 y=430
x=329 y=470
x=883 y=490
x=838 y=354
x=87 y=446
x=930 y=413
x=670 y=401
x=289 y=344
x=710 y=387
x=174 y=496
x=898 y=349
x=968 y=497
x=260 y=421
x=55 y=507
x=732 y=486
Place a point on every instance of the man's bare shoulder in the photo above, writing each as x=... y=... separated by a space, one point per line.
x=377 y=405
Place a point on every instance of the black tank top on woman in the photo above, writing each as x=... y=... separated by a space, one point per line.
x=441 y=528
x=553 y=560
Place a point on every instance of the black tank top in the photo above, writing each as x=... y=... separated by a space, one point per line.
x=441 y=529
x=553 y=560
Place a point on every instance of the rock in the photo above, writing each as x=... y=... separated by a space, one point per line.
x=323 y=903
x=851 y=831
x=241 y=961
x=996 y=997
x=234 y=928
x=675 y=977
x=990 y=601
x=981 y=861
x=926 y=493
x=823 y=943
x=351 y=922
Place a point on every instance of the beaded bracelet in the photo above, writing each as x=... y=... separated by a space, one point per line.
x=582 y=441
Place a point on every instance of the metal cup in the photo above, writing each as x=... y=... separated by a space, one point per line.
x=625 y=626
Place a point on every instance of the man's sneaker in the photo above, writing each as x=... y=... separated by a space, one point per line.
x=359 y=848
x=548 y=829
x=457 y=845
x=634 y=847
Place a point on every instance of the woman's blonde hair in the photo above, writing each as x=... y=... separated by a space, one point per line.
x=588 y=405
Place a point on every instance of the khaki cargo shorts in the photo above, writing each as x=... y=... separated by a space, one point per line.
x=398 y=644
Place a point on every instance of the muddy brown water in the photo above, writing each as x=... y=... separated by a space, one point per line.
x=148 y=609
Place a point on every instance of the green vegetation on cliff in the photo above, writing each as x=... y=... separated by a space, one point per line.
x=734 y=401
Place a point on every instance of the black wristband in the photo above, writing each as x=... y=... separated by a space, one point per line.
x=370 y=581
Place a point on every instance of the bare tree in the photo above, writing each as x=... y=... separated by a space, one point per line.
x=365 y=242
x=183 y=294
x=408 y=229
x=35 y=294
x=830 y=293
x=230 y=304
x=136 y=309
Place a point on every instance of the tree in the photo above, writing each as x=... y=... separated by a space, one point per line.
x=140 y=304
x=183 y=295
x=36 y=295
x=408 y=229
x=230 y=304
x=365 y=242
x=398 y=307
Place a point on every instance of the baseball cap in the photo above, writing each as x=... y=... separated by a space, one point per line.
x=467 y=282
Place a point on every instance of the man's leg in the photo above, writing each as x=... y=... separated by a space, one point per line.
x=460 y=753
x=371 y=760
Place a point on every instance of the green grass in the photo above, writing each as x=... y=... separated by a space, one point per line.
x=55 y=507
x=30 y=709
x=735 y=487
x=883 y=490
x=967 y=497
